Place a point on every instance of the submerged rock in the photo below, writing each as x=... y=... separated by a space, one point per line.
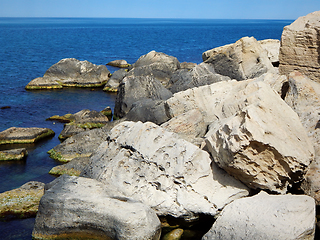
x=13 y=154
x=81 y=208
x=300 y=47
x=71 y=72
x=22 y=202
x=266 y=216
x=24 y=135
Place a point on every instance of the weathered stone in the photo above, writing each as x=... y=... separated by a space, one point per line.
x=21 y=202
x=187 y=65
x=202 y=74
x=161 y=66
x=174 y=177
x=133 y=89
x=272 y=46
x=24 y=135
x=13 y=154
x=72 y=168
x=243 y=117
x=276 y=82
x=147 y=110
x=80 y=145
x=115 y=80
x=81 y=208
x=267 y=217
x=119 y=63
x=303 y=96
x=249 y=144
x=300 y=44
x=190 y=126
x=245 y=59
x=71 y=72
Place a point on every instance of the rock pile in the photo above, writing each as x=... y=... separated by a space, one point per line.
x=230 y=139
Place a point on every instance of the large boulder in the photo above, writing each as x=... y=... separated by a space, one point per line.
x=202 y=74
x=81 y=208
x=243 y=137
x=21 y=202
x=24 y=135
x=245 y=59
x=71 y=72
x=267 y=217
x=135 y=88
x=160 y=65
x=151 y=165
x=300 y=47
x=303 y=96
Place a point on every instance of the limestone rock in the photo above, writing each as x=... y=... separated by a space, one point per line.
x=202 y=74
x=276 y=81
x=115 y=80
x=13 y=154
x=303 y=96
x=272 y=46
x=160 y=65
x=75 y=207
x=249 y=144
x=72 y=168
x=267 y=217
x=187 y=65
x=24 y=135
x=300 y=47
x=244 y=121
x=80 y=145
x=119 y=63
x=245 y=59
x=190 y=126
x=133 y=89
x=21 y=202
x=151 y=165
x=71 y=72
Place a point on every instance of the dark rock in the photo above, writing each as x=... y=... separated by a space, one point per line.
x=13 y=154
x=115 y=80
x=133 y=89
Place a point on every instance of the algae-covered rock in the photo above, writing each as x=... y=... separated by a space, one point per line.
x=13 y=154
x=119 y=63
x=71 y=72
x=22 y=202
x=24 y=135
x=72 y=168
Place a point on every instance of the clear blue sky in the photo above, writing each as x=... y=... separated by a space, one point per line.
x=225 y=9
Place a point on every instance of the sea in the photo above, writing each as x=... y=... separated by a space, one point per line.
x=29 y=46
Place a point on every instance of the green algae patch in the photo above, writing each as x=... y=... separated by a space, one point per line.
x=43 y=87
x=85 y=235
x=110 y=89
x=57 y=156
x=60 y=170
x=64 y=119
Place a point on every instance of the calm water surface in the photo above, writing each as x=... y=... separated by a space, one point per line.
x=29 y=46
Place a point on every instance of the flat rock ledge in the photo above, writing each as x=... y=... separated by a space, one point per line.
x=22 y=202
x=13 y=154
x=24 y=135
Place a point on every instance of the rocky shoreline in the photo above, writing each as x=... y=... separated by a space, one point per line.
x=226 y=149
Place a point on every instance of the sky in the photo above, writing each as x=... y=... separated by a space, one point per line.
x=202 y=9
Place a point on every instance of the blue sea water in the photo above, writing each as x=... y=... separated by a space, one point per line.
x=29 y=46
